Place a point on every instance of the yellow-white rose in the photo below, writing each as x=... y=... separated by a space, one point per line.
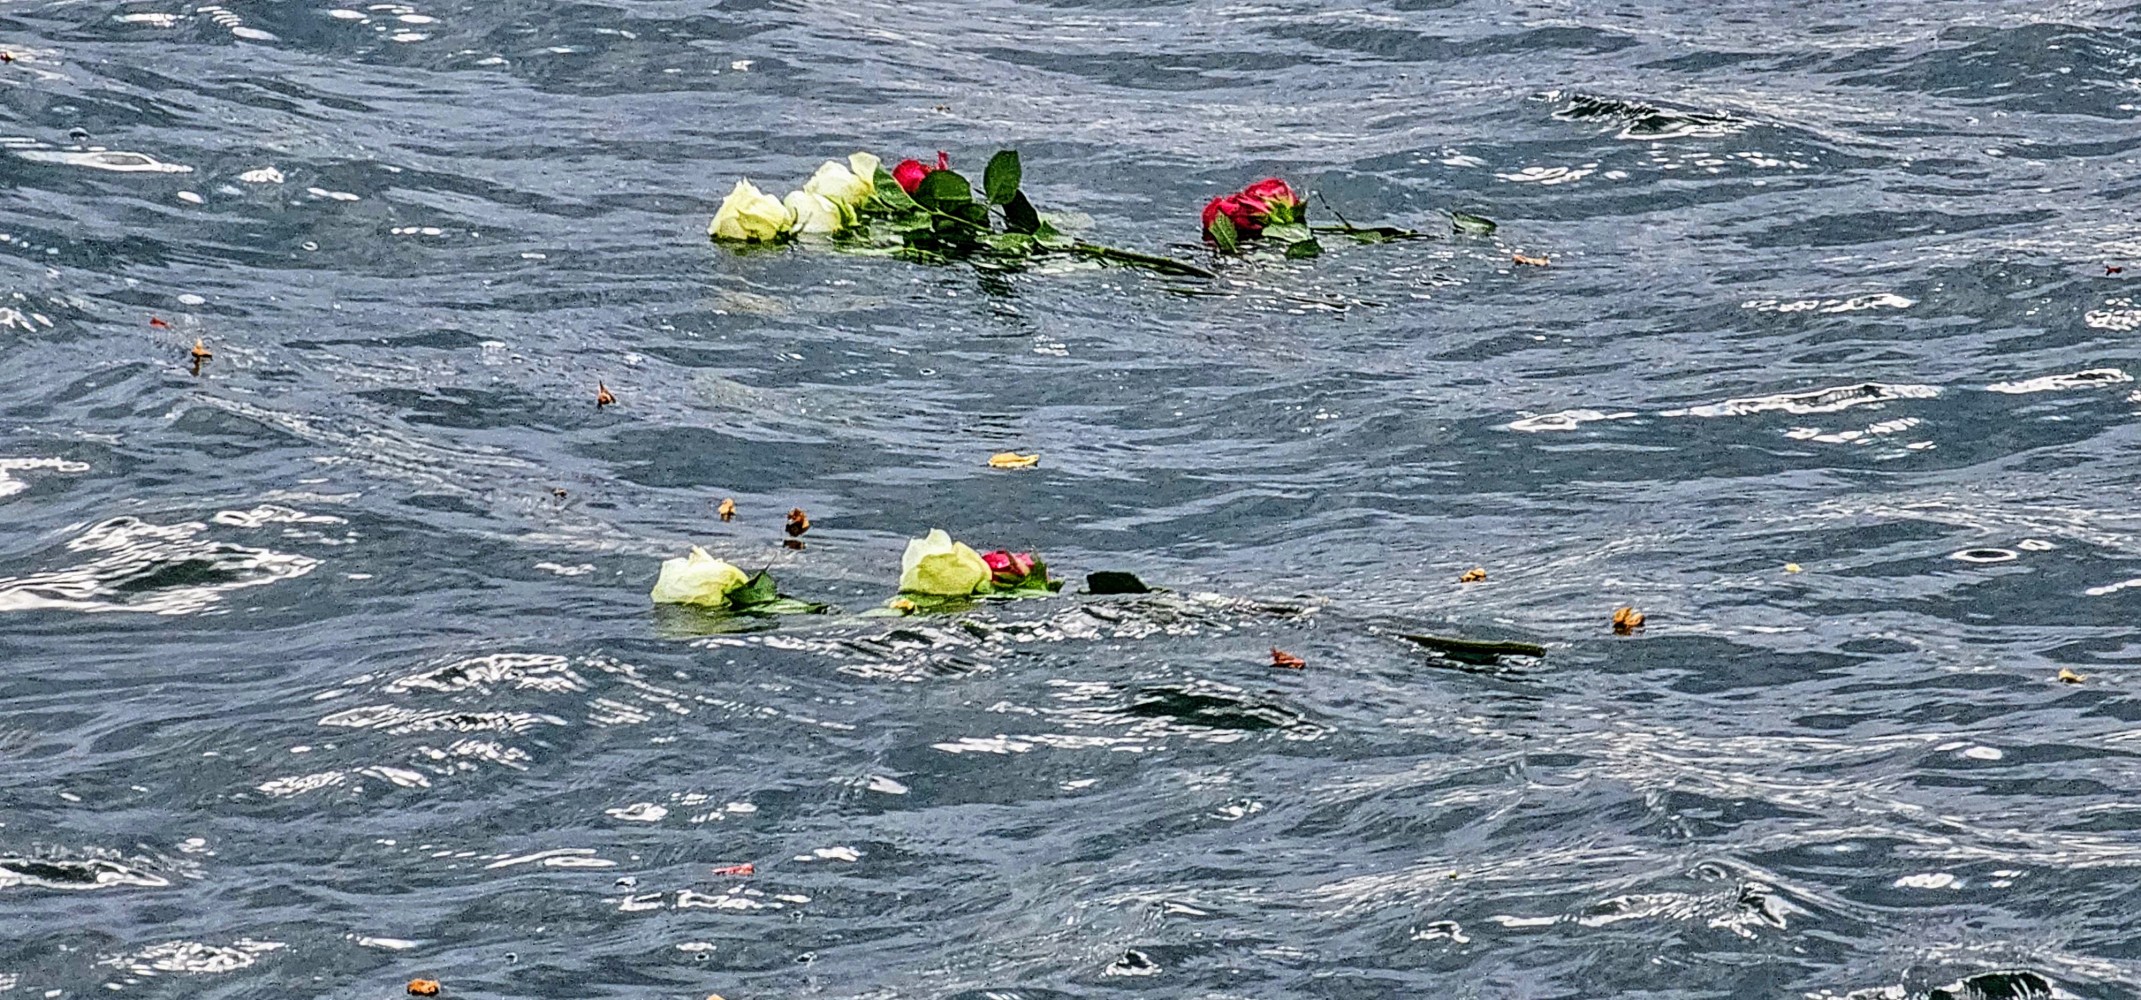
x=937 y=565
x=697 y=579
x=815 y=213
x=751 y=216
x=841 y=184
x=864 y=165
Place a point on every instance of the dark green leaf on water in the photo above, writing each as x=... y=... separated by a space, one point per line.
x=1287 y=235
x=941 y=189
x=759 y=596
x=1476 y=650
x=889 y=193
x=1000 y=179
x=1303 y=249
x=973 y=213
x=1224 y=235
x=786 y=606
x=759 y=590
x=1115 y=582
x=1012 y=243
x=1471 y=225
x=1020 y=217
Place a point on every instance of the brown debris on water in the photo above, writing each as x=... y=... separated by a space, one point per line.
x=602 y=396
x=1473 y=575
x=727 y=510
x=1626 y=620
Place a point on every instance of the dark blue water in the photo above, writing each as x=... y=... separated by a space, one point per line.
x=312 y=681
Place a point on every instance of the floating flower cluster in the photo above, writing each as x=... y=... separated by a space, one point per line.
x=831 y=201
x=932 y=213
x=927 y=212
x=933 y=566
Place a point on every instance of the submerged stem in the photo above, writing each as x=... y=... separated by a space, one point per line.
x=1164 y=265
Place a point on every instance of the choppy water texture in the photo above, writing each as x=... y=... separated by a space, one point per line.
x=333 y=665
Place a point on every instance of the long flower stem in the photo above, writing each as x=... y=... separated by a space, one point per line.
x=1164 y=265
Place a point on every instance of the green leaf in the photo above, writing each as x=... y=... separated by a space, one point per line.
x=758 y=590
x=786 y=606
x=1020 y=244
x=1224 y=236
x=1288 y=234
x=942 y=189
x=890 y=195
x=1303 y=249
x=1019 y=216
x=974 y=213
x=1471 y=225
x=1000 y=179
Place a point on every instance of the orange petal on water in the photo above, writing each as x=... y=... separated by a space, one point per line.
x=1013 y=460
x=727 y=510
x=1473 y=575
x=798 y=522
x=1282 y=658
x=1530 y=261
x=743 y=869
x=1626 y=620
x=423 y=987
x=602 y=396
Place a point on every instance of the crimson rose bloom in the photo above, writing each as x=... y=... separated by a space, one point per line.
x=1272 y=201
x=1246 y=221
x=909 y=173
x=1009 y=567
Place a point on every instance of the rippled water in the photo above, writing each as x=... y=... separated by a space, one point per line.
x=332 y=665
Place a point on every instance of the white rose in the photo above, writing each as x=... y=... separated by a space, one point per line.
x=751 y=216
x=937 y=565
x=697 y=579
x=838 y=184
x=815 y=213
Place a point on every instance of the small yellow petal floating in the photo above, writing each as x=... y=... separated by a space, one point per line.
x=1791 y=567
x=2067 y=676
x=1013 y=460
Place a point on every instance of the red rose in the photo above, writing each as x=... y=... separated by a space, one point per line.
x=1245 y=222
x=1271 y=201
x=909 y=173
x=1009 y=567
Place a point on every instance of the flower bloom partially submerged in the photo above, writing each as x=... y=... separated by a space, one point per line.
x=1272 y=202
x=938 y=566
x=749 y=215
x=698 y=579
x=851 y=184
x=909 y=173
x=1231 y=206
x=1268 y=202
x=1010 y=568
x=817 y=214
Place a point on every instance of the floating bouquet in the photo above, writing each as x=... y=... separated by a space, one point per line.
x=934 y=569
x=932 y=212
x=1271 y=211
